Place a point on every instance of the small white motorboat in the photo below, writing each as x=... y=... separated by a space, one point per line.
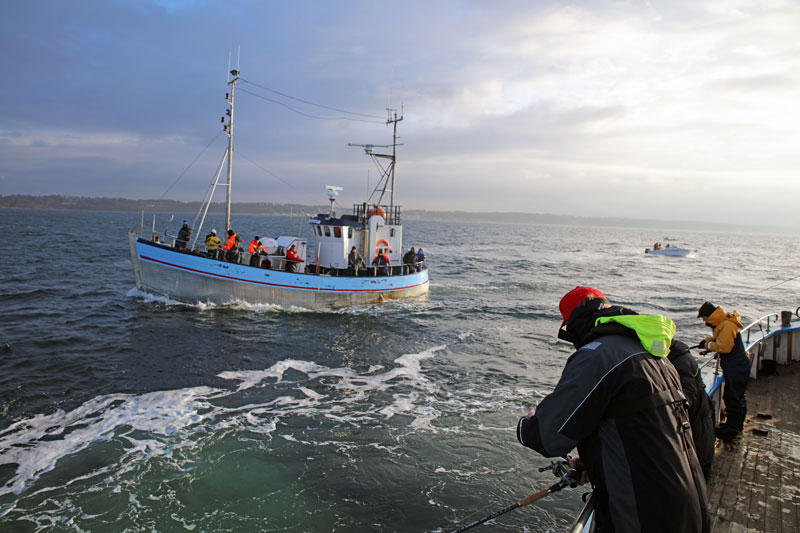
x=670 y=250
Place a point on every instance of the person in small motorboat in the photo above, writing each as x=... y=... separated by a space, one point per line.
x=701 y=410
x=183 y=236
x=256 y=249
x=231 y=247
x=292 y=259
x=410 y=261
x=355 y=261
x=381 y=260
x=727 y=342
x=619 y=400
x=212 y=242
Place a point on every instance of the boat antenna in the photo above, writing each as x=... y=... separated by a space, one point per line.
x=229 y=130
x=387 y=178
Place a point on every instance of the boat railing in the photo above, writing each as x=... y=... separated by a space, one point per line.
x=363 y=211
x=768 y=341
x=279 y=262
x=763 y=325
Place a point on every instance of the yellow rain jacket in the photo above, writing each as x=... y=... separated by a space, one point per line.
x=726 y=327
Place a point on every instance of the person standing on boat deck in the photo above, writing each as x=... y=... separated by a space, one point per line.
x=232 y=247
x=292 y=259
x=183 y=236
x=256 y=249
x=420 y=259
x=382 y=261
x=619 y=401
x=701 y=411
x=355 y=261
x=727 y=342
x=410 y=261
x=212 y=242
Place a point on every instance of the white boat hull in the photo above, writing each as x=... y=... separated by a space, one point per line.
x=672 y=250
x=189 y=277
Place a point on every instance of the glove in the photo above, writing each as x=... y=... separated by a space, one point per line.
x=702 y=344
x=704 y=352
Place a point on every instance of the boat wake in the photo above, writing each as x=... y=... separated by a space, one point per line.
x=119 y=433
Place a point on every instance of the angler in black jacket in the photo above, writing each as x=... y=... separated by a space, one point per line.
x=701 y=412
x=619 y=401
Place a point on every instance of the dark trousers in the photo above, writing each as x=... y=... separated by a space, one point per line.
x=736 y=371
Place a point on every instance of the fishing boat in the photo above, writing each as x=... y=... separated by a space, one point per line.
x=670 y=250
x=186 y=271
x=757 y=469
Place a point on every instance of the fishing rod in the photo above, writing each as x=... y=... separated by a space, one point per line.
x=568 y=477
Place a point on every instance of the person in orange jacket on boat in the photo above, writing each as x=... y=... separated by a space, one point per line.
x=232 y=246
x=292 y=259
x=256 y=249
x=727 y=342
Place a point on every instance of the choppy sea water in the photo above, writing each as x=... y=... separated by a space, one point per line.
x=120 y=410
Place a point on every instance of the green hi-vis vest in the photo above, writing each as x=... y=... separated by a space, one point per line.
x=655 y=332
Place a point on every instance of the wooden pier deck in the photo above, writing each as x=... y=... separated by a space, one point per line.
x=755 y=477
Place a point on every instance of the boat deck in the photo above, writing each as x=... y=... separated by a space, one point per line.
x=755 y=477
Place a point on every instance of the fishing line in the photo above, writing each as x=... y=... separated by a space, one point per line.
x=773 y=286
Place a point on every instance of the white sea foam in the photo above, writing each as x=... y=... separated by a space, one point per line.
x=157 y=424
x=161 y=413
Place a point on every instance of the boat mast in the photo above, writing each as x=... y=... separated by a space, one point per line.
x=393 y=120
x=229 y=129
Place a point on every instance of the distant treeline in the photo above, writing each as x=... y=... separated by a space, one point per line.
x=82 y=203
x=23 y=201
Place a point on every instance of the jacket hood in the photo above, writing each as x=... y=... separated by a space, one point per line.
x=719 y=315
x=655 y=332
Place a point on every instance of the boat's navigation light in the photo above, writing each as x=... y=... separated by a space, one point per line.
x=234 y=73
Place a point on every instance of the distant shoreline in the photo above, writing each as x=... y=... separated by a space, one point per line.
x=79 y=203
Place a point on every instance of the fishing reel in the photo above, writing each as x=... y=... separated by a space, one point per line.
x=561 y=469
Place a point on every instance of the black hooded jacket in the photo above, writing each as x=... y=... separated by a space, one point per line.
x=623 y=409
x=701 y=412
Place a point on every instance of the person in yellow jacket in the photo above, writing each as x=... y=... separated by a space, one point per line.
x=212 y=243
x=727 y=342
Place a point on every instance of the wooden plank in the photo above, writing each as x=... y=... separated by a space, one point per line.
x=755 y=479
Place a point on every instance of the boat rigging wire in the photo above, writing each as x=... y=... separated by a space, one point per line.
x=309 y=103
x=306 y=114
x=268 y=171
x=190 y=166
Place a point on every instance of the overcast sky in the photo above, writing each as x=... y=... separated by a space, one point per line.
x=666 y=110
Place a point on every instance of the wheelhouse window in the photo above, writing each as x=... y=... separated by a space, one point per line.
x=337 y=232
x=327 y=231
